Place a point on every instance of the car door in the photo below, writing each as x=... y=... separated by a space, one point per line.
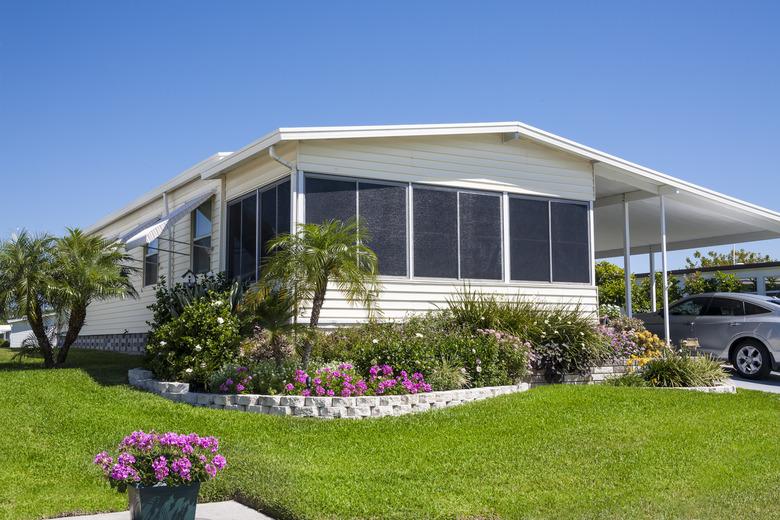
x=683 y=316
x=719 y=324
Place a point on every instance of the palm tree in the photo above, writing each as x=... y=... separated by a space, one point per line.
x=273 y=310
x=305 y=262
x=26 y=282
x=88 y=268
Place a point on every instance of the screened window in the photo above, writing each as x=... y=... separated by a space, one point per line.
x=382 y=212
x=569 y=242
x=435 y=233
x=201 y=238
x=529 y=240
x=242 y=238
x=151 y=262
x=274 y=215
x=380 y=208
x=752 y=309
x=480 y=236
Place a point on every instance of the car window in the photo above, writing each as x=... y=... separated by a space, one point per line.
x=752 y=309
x=724 y=307
x=692 y=307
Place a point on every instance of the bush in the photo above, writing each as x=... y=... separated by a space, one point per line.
x=344 y=381
x=447 y=375
x=262 y=345
x=201 y=340
x=674 y=369
x=422 y=343
x=562 y=339
x=4 y=343
x=231 y=379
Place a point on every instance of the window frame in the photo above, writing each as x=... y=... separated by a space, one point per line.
x=194 y=238
x=147 y=255
x=257 y=191
x=550 y=200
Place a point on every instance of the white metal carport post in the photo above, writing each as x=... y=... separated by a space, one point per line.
x=627 y=256
x=664 y=270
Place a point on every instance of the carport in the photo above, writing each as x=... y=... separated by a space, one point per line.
x=642 y=211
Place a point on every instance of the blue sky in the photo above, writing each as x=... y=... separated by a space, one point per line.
x=102 y=101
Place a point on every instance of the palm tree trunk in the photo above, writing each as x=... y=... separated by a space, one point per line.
x=314 y=320
x=75 y=321
x=36 y=324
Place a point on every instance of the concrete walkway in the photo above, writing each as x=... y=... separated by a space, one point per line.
x=770 y=384
x=213 y=511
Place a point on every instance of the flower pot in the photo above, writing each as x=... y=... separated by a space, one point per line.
x=163 y=502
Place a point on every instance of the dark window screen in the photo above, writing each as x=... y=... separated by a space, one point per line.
x=725 y=307
x=267 y=219
x=435 y=233
x=569 y=232
x=383 y=213
x=752 y=309
x=529 y=240
x=234 y=239
x=480 y=236
x=328 y=199
x=248 y=237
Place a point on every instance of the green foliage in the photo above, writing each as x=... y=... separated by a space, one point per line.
x=200 y=340
x=610 y=280
x=4 y=343
x=423 y=343
x=713 y=258
x=170 y=301
x=696 y=283
x=447 y=375
x=271 y=315
x=305 y=262
x=674 y=369
x=268 y=377
x=564 y=339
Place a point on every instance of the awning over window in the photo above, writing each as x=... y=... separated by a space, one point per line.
x=152 y=229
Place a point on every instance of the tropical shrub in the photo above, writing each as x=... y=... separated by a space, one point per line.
x=4 y=343
x=171 y=459
x=447 y=375
x=170 y=302
x=674 y=369
x=199 y=341
x=264 y=345
x=421 y=343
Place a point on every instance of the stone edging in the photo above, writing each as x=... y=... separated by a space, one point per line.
x=320 y=407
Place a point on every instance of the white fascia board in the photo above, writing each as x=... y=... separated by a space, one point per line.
x=738 y=238
x=183 y=178
x=239 y=157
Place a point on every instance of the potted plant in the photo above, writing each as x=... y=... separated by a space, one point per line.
x=162 y=472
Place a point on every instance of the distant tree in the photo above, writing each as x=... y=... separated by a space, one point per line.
x=714 y=259
x=696 y=283
x=675 y=292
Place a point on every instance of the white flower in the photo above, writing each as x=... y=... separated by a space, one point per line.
x=162 y=343
x=479 y=368
x=198 y=348
x=582 y=333
x=555 y=332
x=216 y=303
x=417 y=334
x=568 y=322
x=463 y=370
x=546 y=322
x=220 y=320
x=203 y=365
x=473 y=351
x=482 y=318
x=189 y=370
x=544 y=333
x=374 y=341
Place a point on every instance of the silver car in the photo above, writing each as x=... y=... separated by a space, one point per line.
x=743 y=329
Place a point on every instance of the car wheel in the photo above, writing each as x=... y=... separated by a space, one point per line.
x=751 y=360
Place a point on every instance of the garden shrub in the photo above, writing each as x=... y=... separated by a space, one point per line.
x=199 y=341
x=448 y=375
x=262 y=345
x=674 y=369
x=4 y=343
x=265 y=377
x=422 y=342
x=344 y=381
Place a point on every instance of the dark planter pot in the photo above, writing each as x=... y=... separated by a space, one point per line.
x=163 y=502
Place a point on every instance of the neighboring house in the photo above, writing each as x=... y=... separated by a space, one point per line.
x=21 y=330
x=508 y=208
x=760 y=278
x=5 y=332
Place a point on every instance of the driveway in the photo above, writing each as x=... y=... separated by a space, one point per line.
x=770 y=384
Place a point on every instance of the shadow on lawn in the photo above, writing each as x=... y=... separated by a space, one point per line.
x=106 y=368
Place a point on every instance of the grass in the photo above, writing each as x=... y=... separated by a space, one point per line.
x=553 y=452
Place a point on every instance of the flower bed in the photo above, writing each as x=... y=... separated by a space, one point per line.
x=325 y=407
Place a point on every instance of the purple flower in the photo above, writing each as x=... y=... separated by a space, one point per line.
x=211 y=470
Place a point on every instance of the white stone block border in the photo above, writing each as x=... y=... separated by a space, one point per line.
x=320 y=407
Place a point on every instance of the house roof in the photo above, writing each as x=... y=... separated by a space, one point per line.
x=697 y=216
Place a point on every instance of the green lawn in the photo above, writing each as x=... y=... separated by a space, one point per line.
x=556 y=452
